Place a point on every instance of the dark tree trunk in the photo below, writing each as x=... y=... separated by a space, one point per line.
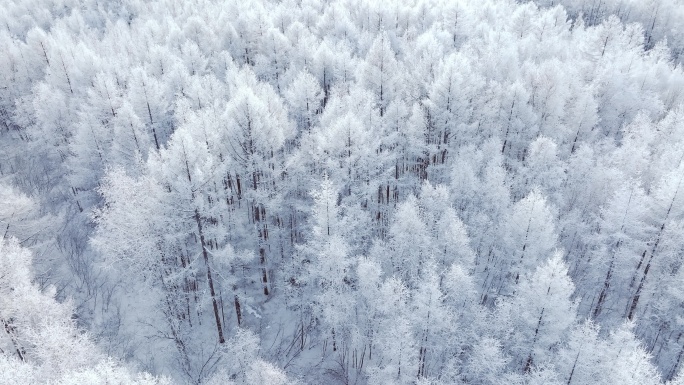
x=210 y=280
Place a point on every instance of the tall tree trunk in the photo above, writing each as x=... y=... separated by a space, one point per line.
x=210 y=280
x=637 y=295
x=238 y=311
x=262 y=235
x=11 y=331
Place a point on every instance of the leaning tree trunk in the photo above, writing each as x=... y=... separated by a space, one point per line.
x=210 y=280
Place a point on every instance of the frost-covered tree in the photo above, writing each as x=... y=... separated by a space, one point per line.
x=159 y=160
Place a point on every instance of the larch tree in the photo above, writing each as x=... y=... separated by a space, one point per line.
x=541 y=314
x=305 y=97
x=529 y=237
x=41 y=343
x=380 y=72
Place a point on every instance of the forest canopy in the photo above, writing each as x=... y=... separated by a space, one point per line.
x=342 y=192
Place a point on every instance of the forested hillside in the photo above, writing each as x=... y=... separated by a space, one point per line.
x=342 y=192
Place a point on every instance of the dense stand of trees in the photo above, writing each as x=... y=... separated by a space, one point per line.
x=279 y=192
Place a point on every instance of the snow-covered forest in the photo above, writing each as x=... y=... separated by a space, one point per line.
x=342 y=192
